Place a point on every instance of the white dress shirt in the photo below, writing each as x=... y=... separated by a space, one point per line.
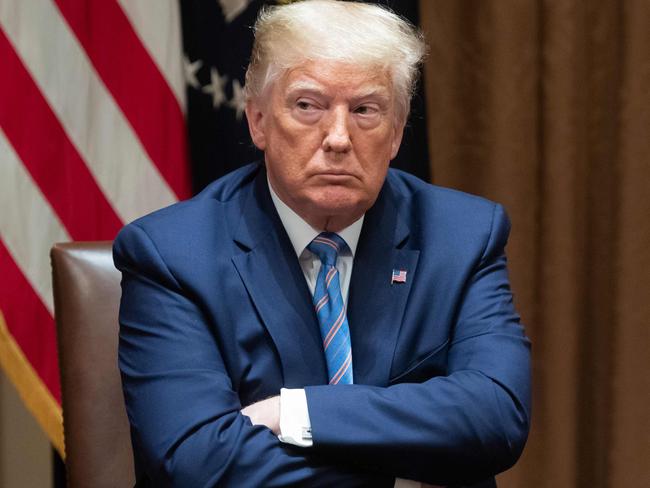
x=294 y=416
x=301 y=234
x=295 y=426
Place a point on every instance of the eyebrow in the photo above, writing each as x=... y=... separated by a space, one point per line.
x=304 y=85
x=375 y=92
x=379 y=91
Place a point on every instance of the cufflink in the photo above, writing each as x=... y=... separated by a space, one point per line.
x=306 y=433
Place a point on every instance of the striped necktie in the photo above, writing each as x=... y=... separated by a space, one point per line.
x=330 y=309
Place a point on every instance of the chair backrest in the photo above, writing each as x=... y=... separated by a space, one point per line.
x=96 y=429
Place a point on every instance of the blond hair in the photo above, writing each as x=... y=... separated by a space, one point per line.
x=362 y=34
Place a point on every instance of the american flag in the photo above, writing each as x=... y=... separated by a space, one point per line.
x=92 y=135
x=399 y=276
x=96 y=98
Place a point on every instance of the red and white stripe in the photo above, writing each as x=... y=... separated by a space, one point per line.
x=334 y=329
x=92 y=136
x=342 y=370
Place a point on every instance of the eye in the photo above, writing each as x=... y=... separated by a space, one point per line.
x=366 y=110
x=305 y=105
x=307 y=110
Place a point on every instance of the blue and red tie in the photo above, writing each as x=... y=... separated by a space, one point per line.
x=330 y=309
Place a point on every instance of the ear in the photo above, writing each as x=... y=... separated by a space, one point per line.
x=397 y=139
x=255 y=117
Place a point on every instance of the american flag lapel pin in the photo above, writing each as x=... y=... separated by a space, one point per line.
x=398 y=276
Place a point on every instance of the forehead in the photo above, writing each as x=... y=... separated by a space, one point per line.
x=335 y=77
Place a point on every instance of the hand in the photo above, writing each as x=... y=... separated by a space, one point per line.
x=265 y=412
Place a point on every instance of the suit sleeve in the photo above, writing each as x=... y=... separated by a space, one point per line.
x=185 y=417
x=460 y=428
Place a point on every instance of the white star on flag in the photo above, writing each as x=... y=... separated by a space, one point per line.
x=191 y=68
x=215 y=88
x=232 y=8
x=238 y=101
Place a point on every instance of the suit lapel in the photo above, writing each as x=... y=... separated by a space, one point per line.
x=270 y=270
x=376 y=306
x=271 y=273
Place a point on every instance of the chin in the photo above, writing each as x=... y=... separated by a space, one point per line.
x=347 y=206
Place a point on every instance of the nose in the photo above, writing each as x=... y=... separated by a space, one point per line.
x=337 y=135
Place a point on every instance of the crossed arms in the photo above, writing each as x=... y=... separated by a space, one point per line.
x=186 y=415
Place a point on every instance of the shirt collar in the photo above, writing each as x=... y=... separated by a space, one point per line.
x=301 y=233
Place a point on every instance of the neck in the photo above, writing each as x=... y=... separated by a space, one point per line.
x=315 y=218
x=330 y=223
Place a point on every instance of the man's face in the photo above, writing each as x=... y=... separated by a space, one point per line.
x=328 y=131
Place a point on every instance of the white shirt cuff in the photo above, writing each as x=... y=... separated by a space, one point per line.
x=295 y=427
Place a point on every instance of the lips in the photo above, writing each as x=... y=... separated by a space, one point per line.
x=338 y=176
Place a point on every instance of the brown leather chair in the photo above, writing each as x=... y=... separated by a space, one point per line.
x=96 y=429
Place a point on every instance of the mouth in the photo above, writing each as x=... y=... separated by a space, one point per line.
x=334 y=172
x=335 y=176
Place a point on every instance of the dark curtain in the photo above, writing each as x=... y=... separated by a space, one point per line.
x=545 y=107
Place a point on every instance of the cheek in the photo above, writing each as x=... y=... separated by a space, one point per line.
x=374 y=156
x=378 y=177
x=291 y=130
x=287 y=161
x=294 y=137
x=375 y=174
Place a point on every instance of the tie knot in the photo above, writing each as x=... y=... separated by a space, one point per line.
x=327 y=246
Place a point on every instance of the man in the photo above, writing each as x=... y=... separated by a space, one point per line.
x=320 y=320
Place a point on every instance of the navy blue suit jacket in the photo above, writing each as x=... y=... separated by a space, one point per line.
x=216 y=314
